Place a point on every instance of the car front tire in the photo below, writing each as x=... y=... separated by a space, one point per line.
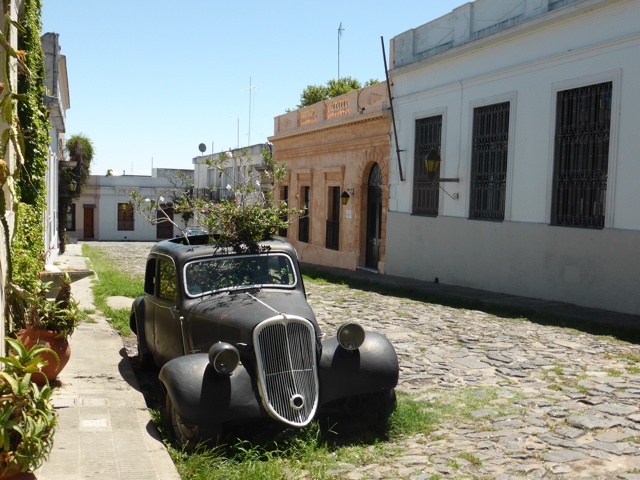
x=187 y=434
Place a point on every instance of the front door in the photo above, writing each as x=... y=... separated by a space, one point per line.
x=88 y=223
x=374 y=217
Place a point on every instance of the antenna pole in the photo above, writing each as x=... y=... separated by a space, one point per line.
x=340 y=30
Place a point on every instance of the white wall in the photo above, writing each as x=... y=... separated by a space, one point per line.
x=586 y=43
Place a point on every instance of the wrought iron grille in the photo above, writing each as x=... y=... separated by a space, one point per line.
x=583 y=120
x=489 y=162
x=303 y=219
x=287 y=369
x=426 y=193
x=333 y=235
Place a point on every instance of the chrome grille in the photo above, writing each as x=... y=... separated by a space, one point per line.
x=287 y=372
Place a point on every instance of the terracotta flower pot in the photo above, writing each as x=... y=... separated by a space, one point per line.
x=18 y=476
x=47 y=338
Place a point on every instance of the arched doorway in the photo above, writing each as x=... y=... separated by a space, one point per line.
x=374 y=217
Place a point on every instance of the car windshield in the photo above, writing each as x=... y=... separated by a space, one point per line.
x=235 y=272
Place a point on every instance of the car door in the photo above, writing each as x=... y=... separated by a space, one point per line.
x=168 y=342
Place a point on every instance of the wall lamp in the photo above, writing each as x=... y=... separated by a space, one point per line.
x=432 y=164
x=346 y=195
x=73 y=185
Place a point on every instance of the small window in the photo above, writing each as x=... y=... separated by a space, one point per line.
x=150 y=276
x=284 y=197
x=71 y=218
x=333 y=219
x=168 y=288
x=303 y=221
x=125 y=216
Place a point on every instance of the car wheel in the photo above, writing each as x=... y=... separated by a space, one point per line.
x=366 y=412
x=189 y=435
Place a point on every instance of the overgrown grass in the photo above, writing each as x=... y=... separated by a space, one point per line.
x=111 y=282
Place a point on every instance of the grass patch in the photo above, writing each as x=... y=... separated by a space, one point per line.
x=317 y=453
x=111 y=282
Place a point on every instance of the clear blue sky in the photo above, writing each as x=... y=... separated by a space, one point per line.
x=151 y=80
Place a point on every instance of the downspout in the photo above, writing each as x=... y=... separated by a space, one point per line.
x=393 y=118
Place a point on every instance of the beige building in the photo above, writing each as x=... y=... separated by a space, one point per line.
x=338 y=151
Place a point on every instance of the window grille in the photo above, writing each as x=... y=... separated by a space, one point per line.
x=489 y=162
x=581 y=157
x=332 y=240
x=426 y=193
x=284 y=197
x=303 y=220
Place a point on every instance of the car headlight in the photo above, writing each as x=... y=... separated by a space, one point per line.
x=224 y=358
x=350 y=336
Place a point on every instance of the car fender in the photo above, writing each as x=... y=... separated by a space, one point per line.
x=137 y=314
x=203 y=397
x=371 y=368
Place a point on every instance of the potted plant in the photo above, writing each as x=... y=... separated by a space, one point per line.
x=45 y=322
x=27 y=418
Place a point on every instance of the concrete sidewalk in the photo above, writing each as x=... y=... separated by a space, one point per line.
x=104 y=428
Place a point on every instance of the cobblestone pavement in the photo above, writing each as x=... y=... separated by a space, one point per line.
x=559 y=403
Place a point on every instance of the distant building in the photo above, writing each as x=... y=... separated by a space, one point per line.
x=102 y=212
x=56 y=100
x=334 y=150
x=216 y=182
x=533 y=107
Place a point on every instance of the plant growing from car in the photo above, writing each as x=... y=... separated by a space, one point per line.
x=249 y=213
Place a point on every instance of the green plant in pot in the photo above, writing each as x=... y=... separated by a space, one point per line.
x=44 y=322
x=27 y=418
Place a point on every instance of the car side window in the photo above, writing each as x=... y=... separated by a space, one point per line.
x=168 y=285
x=150 y=276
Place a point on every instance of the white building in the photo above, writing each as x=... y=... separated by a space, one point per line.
x=56 y=100
x=533 y=106
x=102 y=212
x=217 y=181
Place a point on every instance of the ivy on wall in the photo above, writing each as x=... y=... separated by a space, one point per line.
x=27 y=250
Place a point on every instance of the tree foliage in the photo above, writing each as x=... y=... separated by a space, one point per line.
x=333 y=88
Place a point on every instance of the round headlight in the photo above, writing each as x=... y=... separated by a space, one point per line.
x=350 y=336
x=224 y=358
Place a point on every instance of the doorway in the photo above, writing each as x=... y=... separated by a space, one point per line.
x=374 y=217
x=88 y=222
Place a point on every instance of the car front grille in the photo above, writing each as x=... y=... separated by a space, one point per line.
x=287 y=371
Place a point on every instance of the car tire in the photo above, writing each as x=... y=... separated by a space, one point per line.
x=187 y=434
x=361 y=413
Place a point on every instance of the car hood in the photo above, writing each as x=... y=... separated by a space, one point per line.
x=232 y=316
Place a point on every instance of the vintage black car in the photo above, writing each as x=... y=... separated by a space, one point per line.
x=236 y=341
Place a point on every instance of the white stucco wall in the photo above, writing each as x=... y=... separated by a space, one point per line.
x=585 y=43
x=104 y=193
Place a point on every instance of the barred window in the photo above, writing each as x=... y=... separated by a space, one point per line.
x=332 y=240
x=71 y=218
x=125 y=216
x=489 y=162
x=581 y=156
x=303 y=219
x=425 y=190
x=284 y=197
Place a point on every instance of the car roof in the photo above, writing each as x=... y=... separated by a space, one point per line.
x=198 y=246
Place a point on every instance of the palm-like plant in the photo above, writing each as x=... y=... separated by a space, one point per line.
x=27 y=418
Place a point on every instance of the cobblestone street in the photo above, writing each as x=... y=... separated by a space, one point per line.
x=563 y=404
